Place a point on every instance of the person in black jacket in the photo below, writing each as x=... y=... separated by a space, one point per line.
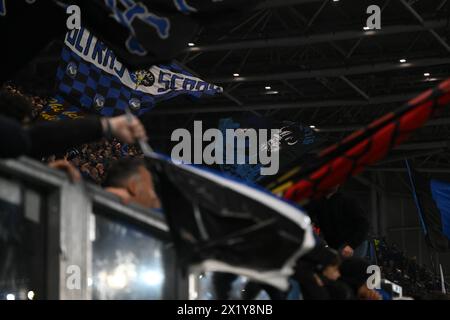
x=47 y=138
x=341 y=221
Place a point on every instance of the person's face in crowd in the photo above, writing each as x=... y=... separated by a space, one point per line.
x=142 y=189
x=332 y=272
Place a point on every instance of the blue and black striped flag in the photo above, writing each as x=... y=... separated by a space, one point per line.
x=433 y=208
x=90 y=78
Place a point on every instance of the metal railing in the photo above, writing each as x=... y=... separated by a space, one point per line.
x=64 y=240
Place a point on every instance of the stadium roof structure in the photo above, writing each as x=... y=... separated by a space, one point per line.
x=312 y=61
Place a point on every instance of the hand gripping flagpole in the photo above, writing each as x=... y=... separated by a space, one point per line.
x=145 y=147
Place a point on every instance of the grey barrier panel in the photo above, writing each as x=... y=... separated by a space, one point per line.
x=69 y=211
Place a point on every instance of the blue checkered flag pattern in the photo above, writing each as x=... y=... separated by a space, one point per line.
x=89 y=87
x=90 y=78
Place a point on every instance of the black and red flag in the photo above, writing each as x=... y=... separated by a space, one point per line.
x=349 y=157
x=222 y=225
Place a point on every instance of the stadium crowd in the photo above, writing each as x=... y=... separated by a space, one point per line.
x=91 y=159
x=416 y=280
x=335 y=269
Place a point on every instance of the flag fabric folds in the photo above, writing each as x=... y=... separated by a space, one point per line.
x=293 y=144
x=226 y=226
x=147 y=32
x=349 y=157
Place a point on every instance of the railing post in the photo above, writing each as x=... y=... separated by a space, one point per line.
x=75 y=245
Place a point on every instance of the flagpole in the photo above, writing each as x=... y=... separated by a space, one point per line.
x=444 y=291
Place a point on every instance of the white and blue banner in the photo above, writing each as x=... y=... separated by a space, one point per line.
x=91 y=78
